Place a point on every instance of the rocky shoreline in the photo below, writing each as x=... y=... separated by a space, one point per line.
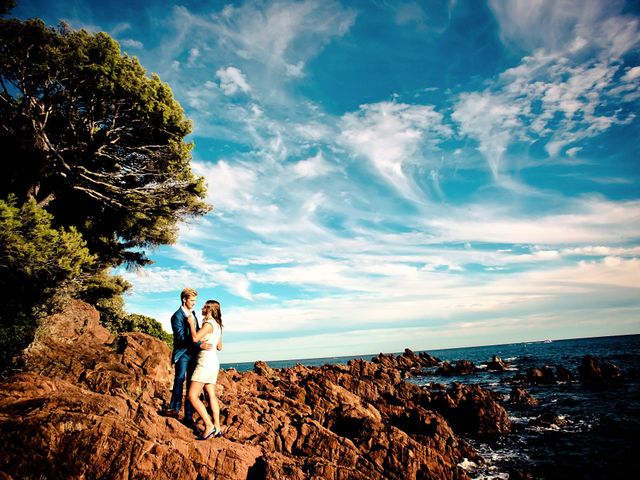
x=87 y=406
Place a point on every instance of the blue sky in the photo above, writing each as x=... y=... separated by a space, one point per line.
x=397 y=174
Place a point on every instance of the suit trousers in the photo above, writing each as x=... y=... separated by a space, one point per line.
x=184 y=368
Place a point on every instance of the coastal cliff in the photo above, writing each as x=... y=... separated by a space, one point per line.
x=86 y=406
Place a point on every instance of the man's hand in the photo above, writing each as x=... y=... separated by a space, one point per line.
x=206 y=346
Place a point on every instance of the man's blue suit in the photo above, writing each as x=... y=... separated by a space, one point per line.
x=185 y=358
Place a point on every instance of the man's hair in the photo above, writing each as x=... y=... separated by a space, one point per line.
x=188 y=292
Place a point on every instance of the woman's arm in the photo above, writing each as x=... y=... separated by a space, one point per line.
x=197 y=336
x=219 y=346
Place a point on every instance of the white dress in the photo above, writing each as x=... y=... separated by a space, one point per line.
x=208 y=365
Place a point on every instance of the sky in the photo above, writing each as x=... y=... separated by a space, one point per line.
x=391 y=174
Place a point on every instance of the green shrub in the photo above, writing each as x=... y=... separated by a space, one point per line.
x=39 y=266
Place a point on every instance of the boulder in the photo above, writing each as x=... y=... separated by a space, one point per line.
x=595 y=375
x=446 y=369
x=562 y=374
x=470 y=409
x=497 y=364
x=549 y=419
x=519 y=397
x=541 y=376
x=464 y=367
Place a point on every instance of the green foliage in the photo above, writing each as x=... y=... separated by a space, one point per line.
x=94 y=139
x=104 y=291
x=37 y=260
x=95 y=170
x=141 y=323
x=39 y=265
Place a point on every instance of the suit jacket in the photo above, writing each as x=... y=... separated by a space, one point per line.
x=182 y=343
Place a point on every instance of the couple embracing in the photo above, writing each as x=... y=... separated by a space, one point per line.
x=196 y=361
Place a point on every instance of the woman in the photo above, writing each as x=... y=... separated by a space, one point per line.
x=206 y=372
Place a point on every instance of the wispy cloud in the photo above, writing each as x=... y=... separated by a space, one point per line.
x=131 y=43
x=345 y=222
x=392 y=136
x=558 y=25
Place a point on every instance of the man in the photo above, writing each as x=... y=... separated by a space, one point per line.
x=185 y=354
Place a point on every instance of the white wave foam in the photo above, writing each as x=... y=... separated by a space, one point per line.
x=467 y=464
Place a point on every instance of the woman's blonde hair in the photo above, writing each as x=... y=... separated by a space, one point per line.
x=213 y=307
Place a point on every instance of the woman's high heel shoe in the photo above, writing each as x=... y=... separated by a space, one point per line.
x=209 y=435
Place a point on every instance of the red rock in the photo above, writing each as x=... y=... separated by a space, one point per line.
x=88 y=408
x=497 y=364
x=597 y=376
x=519 y=397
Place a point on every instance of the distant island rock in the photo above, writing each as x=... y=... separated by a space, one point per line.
x=86 y=406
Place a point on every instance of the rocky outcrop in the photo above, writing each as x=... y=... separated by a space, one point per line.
x=550 y=420
x=471 y=409
x=87 y=407
x=597 y=375
x=461 y=367
x=409 y=363
x=541 y=376
x=519 y=397
x=562 y=374
x=497 y=365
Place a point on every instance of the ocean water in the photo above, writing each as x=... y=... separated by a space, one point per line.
x=599 y=435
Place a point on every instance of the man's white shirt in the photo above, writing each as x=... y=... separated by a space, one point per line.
x=187 y=313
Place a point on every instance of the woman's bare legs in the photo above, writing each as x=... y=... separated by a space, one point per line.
x=194 y=397
x=210 y=388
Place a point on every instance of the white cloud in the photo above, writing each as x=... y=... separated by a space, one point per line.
x=492 y=120
x=230 y=187
x=391 y=136
x=194 y=54
x=601 y=250
x=281 y=35
x=500 y=303
x=573 y=151
x=315 y=166
x=546 y=98
x=588 y=221
x=631 y=75
x=231 y=80
x=119 y=28
x=155 y=279
x=556 y=93
x=131 y=43
x=561 y=25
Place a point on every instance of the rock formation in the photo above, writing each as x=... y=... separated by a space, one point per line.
x=519 y=397
x=87 y=406
x=497 y=364
x=596 y=374
x=462 y=367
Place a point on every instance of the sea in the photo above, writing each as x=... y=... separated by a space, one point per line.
x=573 y=433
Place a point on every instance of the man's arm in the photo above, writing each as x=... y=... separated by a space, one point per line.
x=179 y=330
